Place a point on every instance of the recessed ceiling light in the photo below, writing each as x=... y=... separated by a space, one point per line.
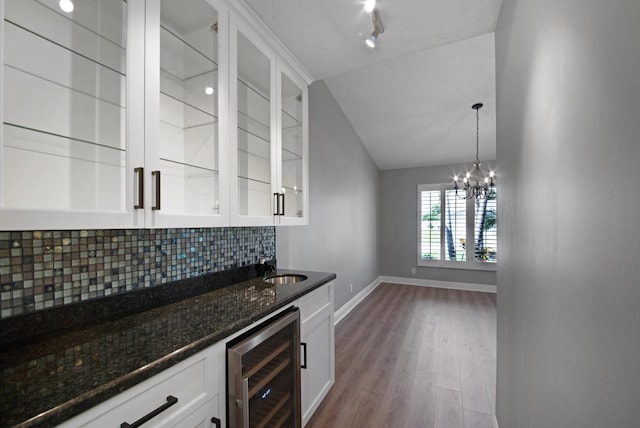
x=66 y=5
x=208 y=90
x=369 y=5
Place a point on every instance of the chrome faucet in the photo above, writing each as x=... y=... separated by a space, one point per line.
x=264 y=267
x=271 y=268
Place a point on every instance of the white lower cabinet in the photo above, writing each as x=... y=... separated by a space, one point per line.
x=201 y=418
x=199 y=382
x=318 y=352
x=194 y=382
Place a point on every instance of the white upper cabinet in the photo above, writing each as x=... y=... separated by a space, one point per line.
x=293 y=162
x=148 y=113
x=186 y=114
x=253 y=82
x=269 y=134
x=71 y=110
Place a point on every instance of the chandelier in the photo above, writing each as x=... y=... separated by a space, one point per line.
x=472 y=186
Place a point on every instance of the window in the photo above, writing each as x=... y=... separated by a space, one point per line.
x=486 y=236
x=447 y=223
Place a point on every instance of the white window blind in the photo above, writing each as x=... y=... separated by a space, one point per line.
x=455 y=226
x=430 y=225
x=454 y=232
x=486 y=233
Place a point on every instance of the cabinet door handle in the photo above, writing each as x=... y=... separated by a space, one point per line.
x=156 y=174
x=215 y=421
x=171 y=400
x=282 y=197
x=304 y=357
x=140 y=172
x=276 y=204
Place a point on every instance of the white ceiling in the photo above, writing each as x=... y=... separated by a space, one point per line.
x=416 y=110
x=410 y=98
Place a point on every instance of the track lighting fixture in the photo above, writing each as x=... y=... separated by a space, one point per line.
x=378 y=28
x=66 y=5
x=371 y=40
x=369 y=5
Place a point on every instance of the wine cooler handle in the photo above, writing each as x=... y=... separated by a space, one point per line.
x=171 y=400
x=140 y=171
x=245 y=402
x=156 y=174
x=216 y=422
x=304 y=359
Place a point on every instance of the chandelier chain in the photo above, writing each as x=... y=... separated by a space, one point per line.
x=477 y=134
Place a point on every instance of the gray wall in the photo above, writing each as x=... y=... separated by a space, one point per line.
x=342 y=233
x=568 y=91
x=398 y=230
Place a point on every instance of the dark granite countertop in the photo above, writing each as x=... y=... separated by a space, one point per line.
x=53 y=377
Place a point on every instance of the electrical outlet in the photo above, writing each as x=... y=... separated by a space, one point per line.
x=350 y=288
x=413 y=271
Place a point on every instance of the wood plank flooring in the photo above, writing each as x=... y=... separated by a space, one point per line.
x=414 y=357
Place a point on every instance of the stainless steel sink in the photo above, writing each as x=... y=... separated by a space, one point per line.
x=284 y=279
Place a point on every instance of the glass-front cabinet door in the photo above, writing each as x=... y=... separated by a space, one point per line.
x=146 y=113
x=293 y=157
x=71 y=113
x=253 y=115
x=186 y=114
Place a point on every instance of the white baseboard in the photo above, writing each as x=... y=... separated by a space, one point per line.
x=354 y=301
x=495 y=422
x=439 y=284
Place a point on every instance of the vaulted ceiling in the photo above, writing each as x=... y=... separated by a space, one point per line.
x=409 y=99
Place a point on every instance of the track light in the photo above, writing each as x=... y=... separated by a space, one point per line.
x=66 y=5
x=369 y=5
x=371 y=40
x=378 y=28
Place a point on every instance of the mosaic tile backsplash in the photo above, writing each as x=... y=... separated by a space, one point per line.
x=43 y=269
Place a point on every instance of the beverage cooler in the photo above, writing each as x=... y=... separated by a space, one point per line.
x=263 y=375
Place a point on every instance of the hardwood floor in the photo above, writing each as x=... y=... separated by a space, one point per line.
x=414 y=357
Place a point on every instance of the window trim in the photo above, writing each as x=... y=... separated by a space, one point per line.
x=469 y=263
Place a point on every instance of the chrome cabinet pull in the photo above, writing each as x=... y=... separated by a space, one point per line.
x=156 y=174
x=171 y=400
x=140 y=172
